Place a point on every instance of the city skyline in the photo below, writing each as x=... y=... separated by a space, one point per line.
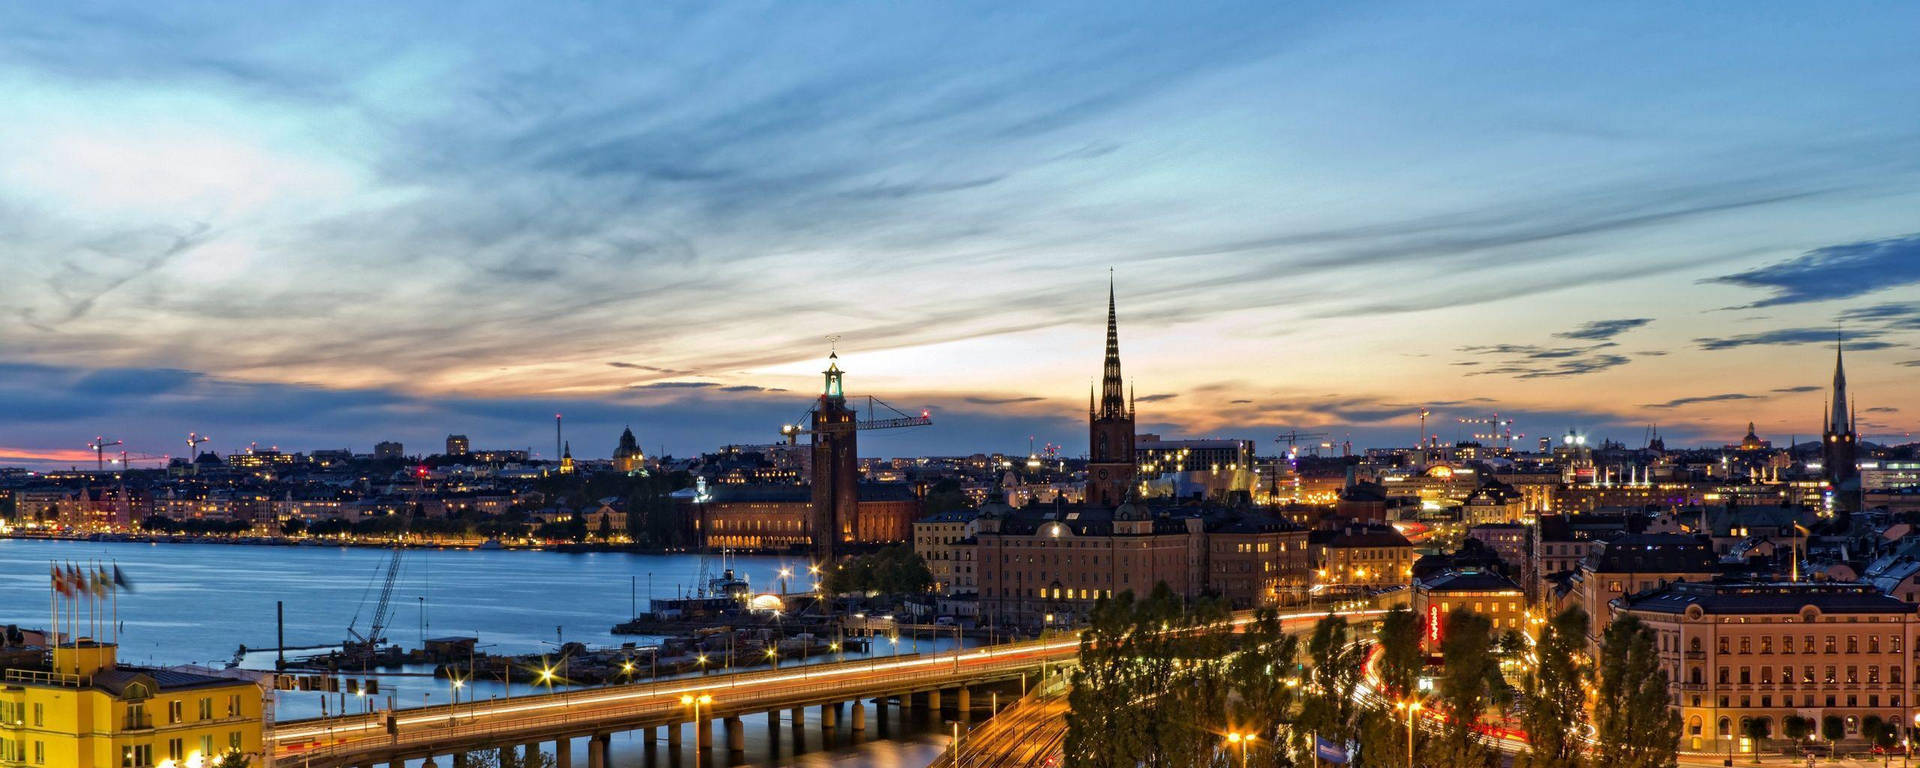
x=386 y=224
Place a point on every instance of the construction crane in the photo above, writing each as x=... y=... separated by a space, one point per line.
x=1498 y=429
x=126 y=459
x=877 y=418
x=194 y=439
x=368 y=645
x=1294 y=436
x=100 y=446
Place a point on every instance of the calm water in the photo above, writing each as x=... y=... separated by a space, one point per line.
x=197 y=603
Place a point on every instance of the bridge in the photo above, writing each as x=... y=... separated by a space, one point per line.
x=453 y=730
x=597 y=713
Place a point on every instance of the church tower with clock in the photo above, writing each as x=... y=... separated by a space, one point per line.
x=1110 y=463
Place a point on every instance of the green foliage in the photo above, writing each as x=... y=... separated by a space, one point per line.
x=1796 y=727
x=895 y=570
x=513 y=758
x=1400 y=658
x=1634 y=726
x=1144 y=696
x=945 y=495
x=1555 y=714
x=1467 y=679
x=1833 y=728
x=293 y=526
x=1334 y=661
x=233 y=758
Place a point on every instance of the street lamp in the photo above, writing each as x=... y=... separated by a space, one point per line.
x=1412 y=708
x=687 y=699
x=1242 y=739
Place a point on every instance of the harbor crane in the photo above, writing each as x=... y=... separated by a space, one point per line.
x=194 y=439
x=100 y=446
x=368 y=645
x=879 y=416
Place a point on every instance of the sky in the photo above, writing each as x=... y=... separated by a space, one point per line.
x=321 y=227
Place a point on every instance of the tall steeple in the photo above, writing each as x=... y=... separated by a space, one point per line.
x=1113 y=401
x=1110 y=460
x=1839 y=422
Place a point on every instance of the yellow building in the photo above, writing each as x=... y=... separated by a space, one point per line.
x=81 y=709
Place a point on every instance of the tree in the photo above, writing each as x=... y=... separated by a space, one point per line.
x=1634 y=726
x=233 y=758
x=507 y=757
x=292 y=526
x=605 y=530
x=1759 y=729
x=1265 y=686
x=1327 y=709
x=1555 y=714
x=1466 y=687
x=1796 y=727
x=1400 y=661
x=1833 y=728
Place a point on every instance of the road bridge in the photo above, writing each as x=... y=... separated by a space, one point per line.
x=672 y=706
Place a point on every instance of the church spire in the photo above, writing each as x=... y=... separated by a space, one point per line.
x=1839 y=422
x=1112 y=397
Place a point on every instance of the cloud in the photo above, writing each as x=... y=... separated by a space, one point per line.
x=1909 y=363
x=1002 y=400
x=1245 y=402
x=1801 y=388
x=1530 y=361
x=1720 y=398
x=1880 y=409
x=1155 y=397
x=1835 y=272
x=675 y=385
x=1603 y=330
x=1856 y=340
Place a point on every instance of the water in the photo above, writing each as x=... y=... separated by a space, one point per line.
x=197 y=603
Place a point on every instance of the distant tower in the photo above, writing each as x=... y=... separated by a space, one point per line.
x=1840 y=447
x=566 y=459
x=559 y=444
x=836 y=466
x=627 y=456
x=1110 y=433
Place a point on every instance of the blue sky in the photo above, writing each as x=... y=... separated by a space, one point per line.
x=319 y=228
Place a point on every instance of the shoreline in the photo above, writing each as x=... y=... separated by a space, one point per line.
x=280 y=541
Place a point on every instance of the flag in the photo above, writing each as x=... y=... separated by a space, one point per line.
x=1329 y=751
x=120 y=579
x=101 y=581
x=59 y=581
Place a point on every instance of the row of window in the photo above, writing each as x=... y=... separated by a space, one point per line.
x=1806 y=675
x=16 y=714
x=1830 y=644
x=141 y=755
x=15 y=751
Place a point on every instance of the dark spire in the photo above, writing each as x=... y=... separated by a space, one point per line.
x=1839 y=422
x=1113 y=400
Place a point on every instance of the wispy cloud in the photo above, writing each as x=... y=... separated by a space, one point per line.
x=1835 y=272
x=1604 y=330
x=1720 y=398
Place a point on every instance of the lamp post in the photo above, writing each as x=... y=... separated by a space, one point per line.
x=1241 y=739
x=1412 y=708
x=695 y=702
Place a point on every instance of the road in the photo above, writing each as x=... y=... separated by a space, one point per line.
x=357 y=739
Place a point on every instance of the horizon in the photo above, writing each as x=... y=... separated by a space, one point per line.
x=324 y=228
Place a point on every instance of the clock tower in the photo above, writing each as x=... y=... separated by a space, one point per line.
x=1110 y=464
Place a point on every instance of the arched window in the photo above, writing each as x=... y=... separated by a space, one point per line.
x=1726 y=727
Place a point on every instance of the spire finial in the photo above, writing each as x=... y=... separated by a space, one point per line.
x=1112 y=395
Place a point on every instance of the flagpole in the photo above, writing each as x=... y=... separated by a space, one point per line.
x=114 y=587
x=53 y=603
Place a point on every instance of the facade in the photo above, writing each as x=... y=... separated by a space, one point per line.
x=87 y=710
x=458 y=445
x=1487 y=594
x=1495 y=502
x=388 y=449
x=1057 y=562
x=1362 y=555
x=1193 y=455
x=946 y=542
x=1635 y=564
x=1738 y=652
x=781 y=517
x=1255 y=560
